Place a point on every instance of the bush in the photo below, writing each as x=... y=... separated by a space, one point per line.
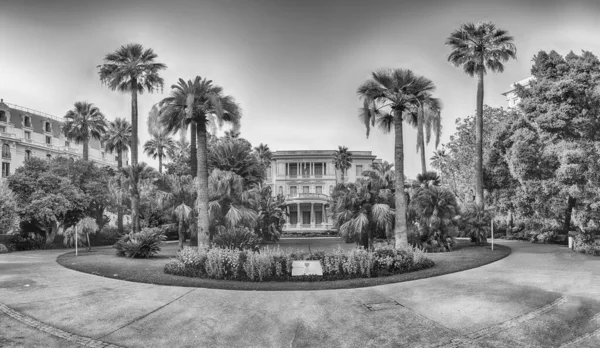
x=276 y=264
x=144 y=244
x=239 y=238
x=543 y=237
x=3 y=249
x=585 y=243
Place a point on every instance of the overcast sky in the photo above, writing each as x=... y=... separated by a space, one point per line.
x=293 y=66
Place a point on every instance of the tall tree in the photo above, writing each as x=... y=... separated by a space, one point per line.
x=478 y=48
x=132 y=69
x=203 y=104
x=264 y=154
x=83 y=123
x=118 y=139
x=159 y=146
x=426 y=118
x=342 y=160
x=397 y=90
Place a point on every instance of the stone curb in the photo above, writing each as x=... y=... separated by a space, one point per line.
x=81 y=340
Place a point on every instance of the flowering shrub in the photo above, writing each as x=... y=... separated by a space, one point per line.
x=238 y=238
x=138 y=245
x=276 y=264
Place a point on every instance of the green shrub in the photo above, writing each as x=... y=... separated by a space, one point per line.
x=276 y=264
x=585 y=243
x=144 y=244
x=239 y=238
x=3 y=249
x=543 y=237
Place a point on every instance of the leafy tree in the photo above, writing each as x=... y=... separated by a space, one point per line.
x=478 y=48
x=46 y=201
x=342 y=160
x=398 y=91
x=132 y=69
x=83 y=228
x=204 y=106
x=118 y=139
x=123 y=188
x=83 y=123
x=9 y=219
x=554 y=152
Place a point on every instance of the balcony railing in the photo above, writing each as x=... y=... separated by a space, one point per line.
x=28 y=110
x=8 y=135
x=321 y=196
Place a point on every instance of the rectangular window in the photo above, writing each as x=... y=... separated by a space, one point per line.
x=5 y=169
x=28 y=135
x=319 y=189
x=305 y=169
x=48 y=140
x=319 y=169
x=359 y=171
x=48 y=128
x=293 y=191
x=293 y=169
x=27 y=121
x=305 y=189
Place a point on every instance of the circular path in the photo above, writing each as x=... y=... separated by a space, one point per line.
x=539 y=296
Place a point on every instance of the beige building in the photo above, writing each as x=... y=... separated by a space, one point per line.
x=26 y=133
x=306 y=180
x=511 y=95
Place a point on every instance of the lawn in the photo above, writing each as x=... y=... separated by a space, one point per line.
x=103 y=262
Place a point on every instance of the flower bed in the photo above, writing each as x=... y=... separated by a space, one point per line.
x=276 y=264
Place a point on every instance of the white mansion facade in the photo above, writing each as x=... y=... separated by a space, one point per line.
x=306 y=180
x=26 y=133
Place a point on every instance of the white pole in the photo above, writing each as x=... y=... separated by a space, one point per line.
x=75 y=240
x=492 y=235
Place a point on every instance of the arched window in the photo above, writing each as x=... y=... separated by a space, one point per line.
x=48 y=156
x=3 y=117
x=5 y=151
x=27 y=154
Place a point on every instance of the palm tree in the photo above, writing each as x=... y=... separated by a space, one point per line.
x=129 y=182
x=160 y=144
x=132 y=69
x=439 y=160
x=82 y=123
x=397 y=90
x=264 y=154
x=179 y=200
x=426 y=118
x=477 y=48
x=381 y=175
x=118 y=138
x=428 y=179
x=342 y=160
x=200 y=104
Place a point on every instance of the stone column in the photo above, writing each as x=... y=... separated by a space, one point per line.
x=312 y=215
x=299 y=223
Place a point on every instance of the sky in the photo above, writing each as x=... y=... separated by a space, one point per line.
x=293 y=66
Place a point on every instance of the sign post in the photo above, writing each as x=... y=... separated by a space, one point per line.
x=492 y=235
x=75 y=240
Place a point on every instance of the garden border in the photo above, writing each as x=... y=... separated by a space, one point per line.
x=197 y=282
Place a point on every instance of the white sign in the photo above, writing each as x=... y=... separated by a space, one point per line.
x=307 y=267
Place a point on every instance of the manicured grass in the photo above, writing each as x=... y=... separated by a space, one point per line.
x=104 y=262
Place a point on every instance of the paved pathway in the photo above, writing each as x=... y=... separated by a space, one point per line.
x=539 y=296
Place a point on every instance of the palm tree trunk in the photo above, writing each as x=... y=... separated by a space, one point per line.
x=181 y=234
x=120 y=209
x=203 y=221
x=479 y=143
x=421 y=140
x=343 y=179
x=193 y=150
x=135 y=200
x=86 y=149
x=400 y=229
x=160 y=163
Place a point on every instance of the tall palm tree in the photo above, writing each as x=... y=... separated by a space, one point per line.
x=82 y=123
x=397 y=90
x=426 y=118
x=132 y=69
x=201 y=104
x=179 y=200
x=118 y=138
x=342 y=160
x=478 y=48
x=159 y=146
